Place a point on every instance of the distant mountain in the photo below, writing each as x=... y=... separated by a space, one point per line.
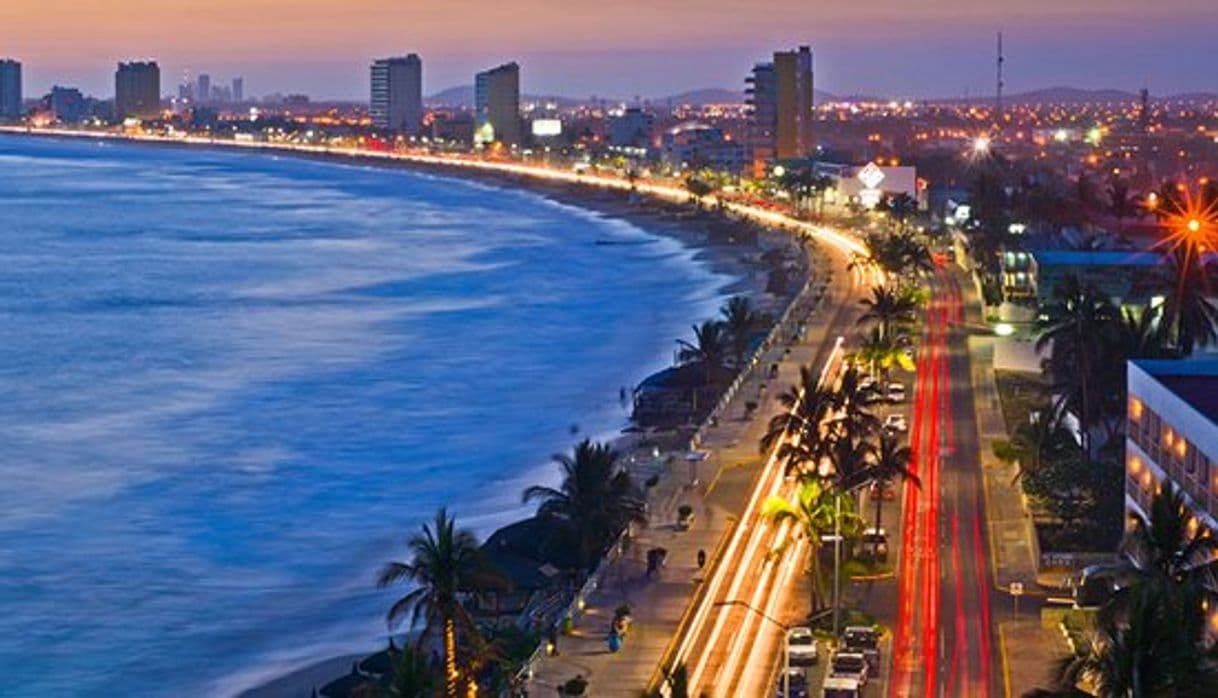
x=1071 y=95
x=709 y=95
x=463 y=96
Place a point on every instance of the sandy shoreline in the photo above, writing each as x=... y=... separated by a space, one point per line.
x=740 y=263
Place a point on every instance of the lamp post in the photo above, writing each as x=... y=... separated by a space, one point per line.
x=786 y=641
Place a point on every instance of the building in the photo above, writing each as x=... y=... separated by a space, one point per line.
x=137 y=90
x=66 y=104
x=10 y=89
x=397 y=94
x=783 y=114
x=696 y=146
x=203 y=91
x=1171 y=433
x=1125 y=277
x=632 y=129
x=238 y=90
x=497 y=104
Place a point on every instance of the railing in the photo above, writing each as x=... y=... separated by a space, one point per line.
x=774 y=337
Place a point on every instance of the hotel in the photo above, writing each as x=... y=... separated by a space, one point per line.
x=397 y=94
x=10 y=89
x=497 y=104
x=137 y=90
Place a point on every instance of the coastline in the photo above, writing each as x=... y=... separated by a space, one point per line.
x=741 y=264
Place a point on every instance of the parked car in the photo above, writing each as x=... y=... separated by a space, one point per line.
x=802 y=648
x=875 y=543
x=841 y=687
x=850 y=665
x=896 y=423
x=799 y=684
x=896 y=392
x=867 y=382
x=865 y=640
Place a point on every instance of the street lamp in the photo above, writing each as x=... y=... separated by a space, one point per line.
x=786 y=641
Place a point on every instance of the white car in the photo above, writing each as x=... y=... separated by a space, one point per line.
x=896 y=422
x=850 y=665
x=867 y=383
x=802 y=647
x=896 y=392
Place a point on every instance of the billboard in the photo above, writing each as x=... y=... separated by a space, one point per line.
x=547 y=128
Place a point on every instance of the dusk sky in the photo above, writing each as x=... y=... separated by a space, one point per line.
x=621 y=48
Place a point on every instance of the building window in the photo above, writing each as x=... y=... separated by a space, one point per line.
x=1135 y=409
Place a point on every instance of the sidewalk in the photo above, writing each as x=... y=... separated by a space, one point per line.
x=721 y=486
x=1013 y=549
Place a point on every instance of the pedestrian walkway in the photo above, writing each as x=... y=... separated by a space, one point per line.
x=717 y=489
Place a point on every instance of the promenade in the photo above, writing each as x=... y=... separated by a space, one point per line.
x=717 y=489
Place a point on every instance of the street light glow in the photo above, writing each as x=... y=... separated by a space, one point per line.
x=981 y=145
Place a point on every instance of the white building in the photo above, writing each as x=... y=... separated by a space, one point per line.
x=397 y=94
x=1172 y=434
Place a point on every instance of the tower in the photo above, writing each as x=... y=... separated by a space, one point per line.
x=998 y=117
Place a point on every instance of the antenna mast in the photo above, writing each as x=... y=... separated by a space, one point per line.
x=998 y=100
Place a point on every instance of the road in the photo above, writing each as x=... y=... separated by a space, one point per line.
x=735 y=627
x=944 y=641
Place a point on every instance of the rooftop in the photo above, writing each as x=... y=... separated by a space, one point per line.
x=1102 y=258
x=1194 y=381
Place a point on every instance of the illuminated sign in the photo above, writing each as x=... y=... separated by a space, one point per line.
x=545 y=128
x=871 y=176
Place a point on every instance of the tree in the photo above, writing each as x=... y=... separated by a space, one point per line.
x=710 y=349
x=1121 y=203
x=740 y=322
x=1151 y=637
x=799 y=431
x=596 y=501
x=814 y=515
x=889 y=310
x=698 y=188
x=882 y=355
x=891 y=462
x=444 y=562
x=1191 y=315
x=851 y=402
x=413 y=675
x=1076 y=318
x=900 y=207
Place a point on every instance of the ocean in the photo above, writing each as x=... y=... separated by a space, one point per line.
x=234 y=384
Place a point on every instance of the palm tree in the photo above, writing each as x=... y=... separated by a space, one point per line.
x=888 y=309
x=851 y=401
x=881 y=355
x=710 y=348
x=1121 y=203
x=852 y=460
x=799 y=429
x=1078 y=316
x=741 y=321
x=814 y=515
x=444 y=563
x=596 y=501
x=1151 y=637
x=891 y=462
x=1191 y=315
x=412 y=675
x=698 y=188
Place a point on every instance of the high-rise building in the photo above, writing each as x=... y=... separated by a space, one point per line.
x=497 y=104
x=238 y=90
x=137 y=90
x=67 y=104
x=397 y=94
x=783 y=111
x=10 y=89
x=203 y=92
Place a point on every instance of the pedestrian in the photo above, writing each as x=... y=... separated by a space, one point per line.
x=701 y=558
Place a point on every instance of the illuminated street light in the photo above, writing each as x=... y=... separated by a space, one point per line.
x=1194 y=225
x=981 y=145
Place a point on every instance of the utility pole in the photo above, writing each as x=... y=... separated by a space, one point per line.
x=998 y=93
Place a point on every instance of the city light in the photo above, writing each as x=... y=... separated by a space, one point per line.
x=981 y=145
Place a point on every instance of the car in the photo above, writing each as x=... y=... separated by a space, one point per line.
x=798 y=681
x=866 y=383
x=850 y=665
x=896 y=392
x=875 y=543
x=896 y=423
x=866 y=640
x=841 y=687
x=802 y=648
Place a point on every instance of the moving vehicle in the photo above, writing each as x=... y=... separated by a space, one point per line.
x=850 y=665
x=875 y=544
x=866 y=640
x=798 y=681
x=896 y=392
x=896 y=422
x=802 y=648
x=841 y=687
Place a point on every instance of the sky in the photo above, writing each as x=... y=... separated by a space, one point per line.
x=621 y=48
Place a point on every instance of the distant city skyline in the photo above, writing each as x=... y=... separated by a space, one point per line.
x=936 y=49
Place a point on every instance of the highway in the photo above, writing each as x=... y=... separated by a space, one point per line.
x=944 y=644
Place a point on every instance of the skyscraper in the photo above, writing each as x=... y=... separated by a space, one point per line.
x=397 y=94
x=203 y=93
x=10 y=89
x=783 y=112
x=238 y=90
x=137 y=90
x=497 y=103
